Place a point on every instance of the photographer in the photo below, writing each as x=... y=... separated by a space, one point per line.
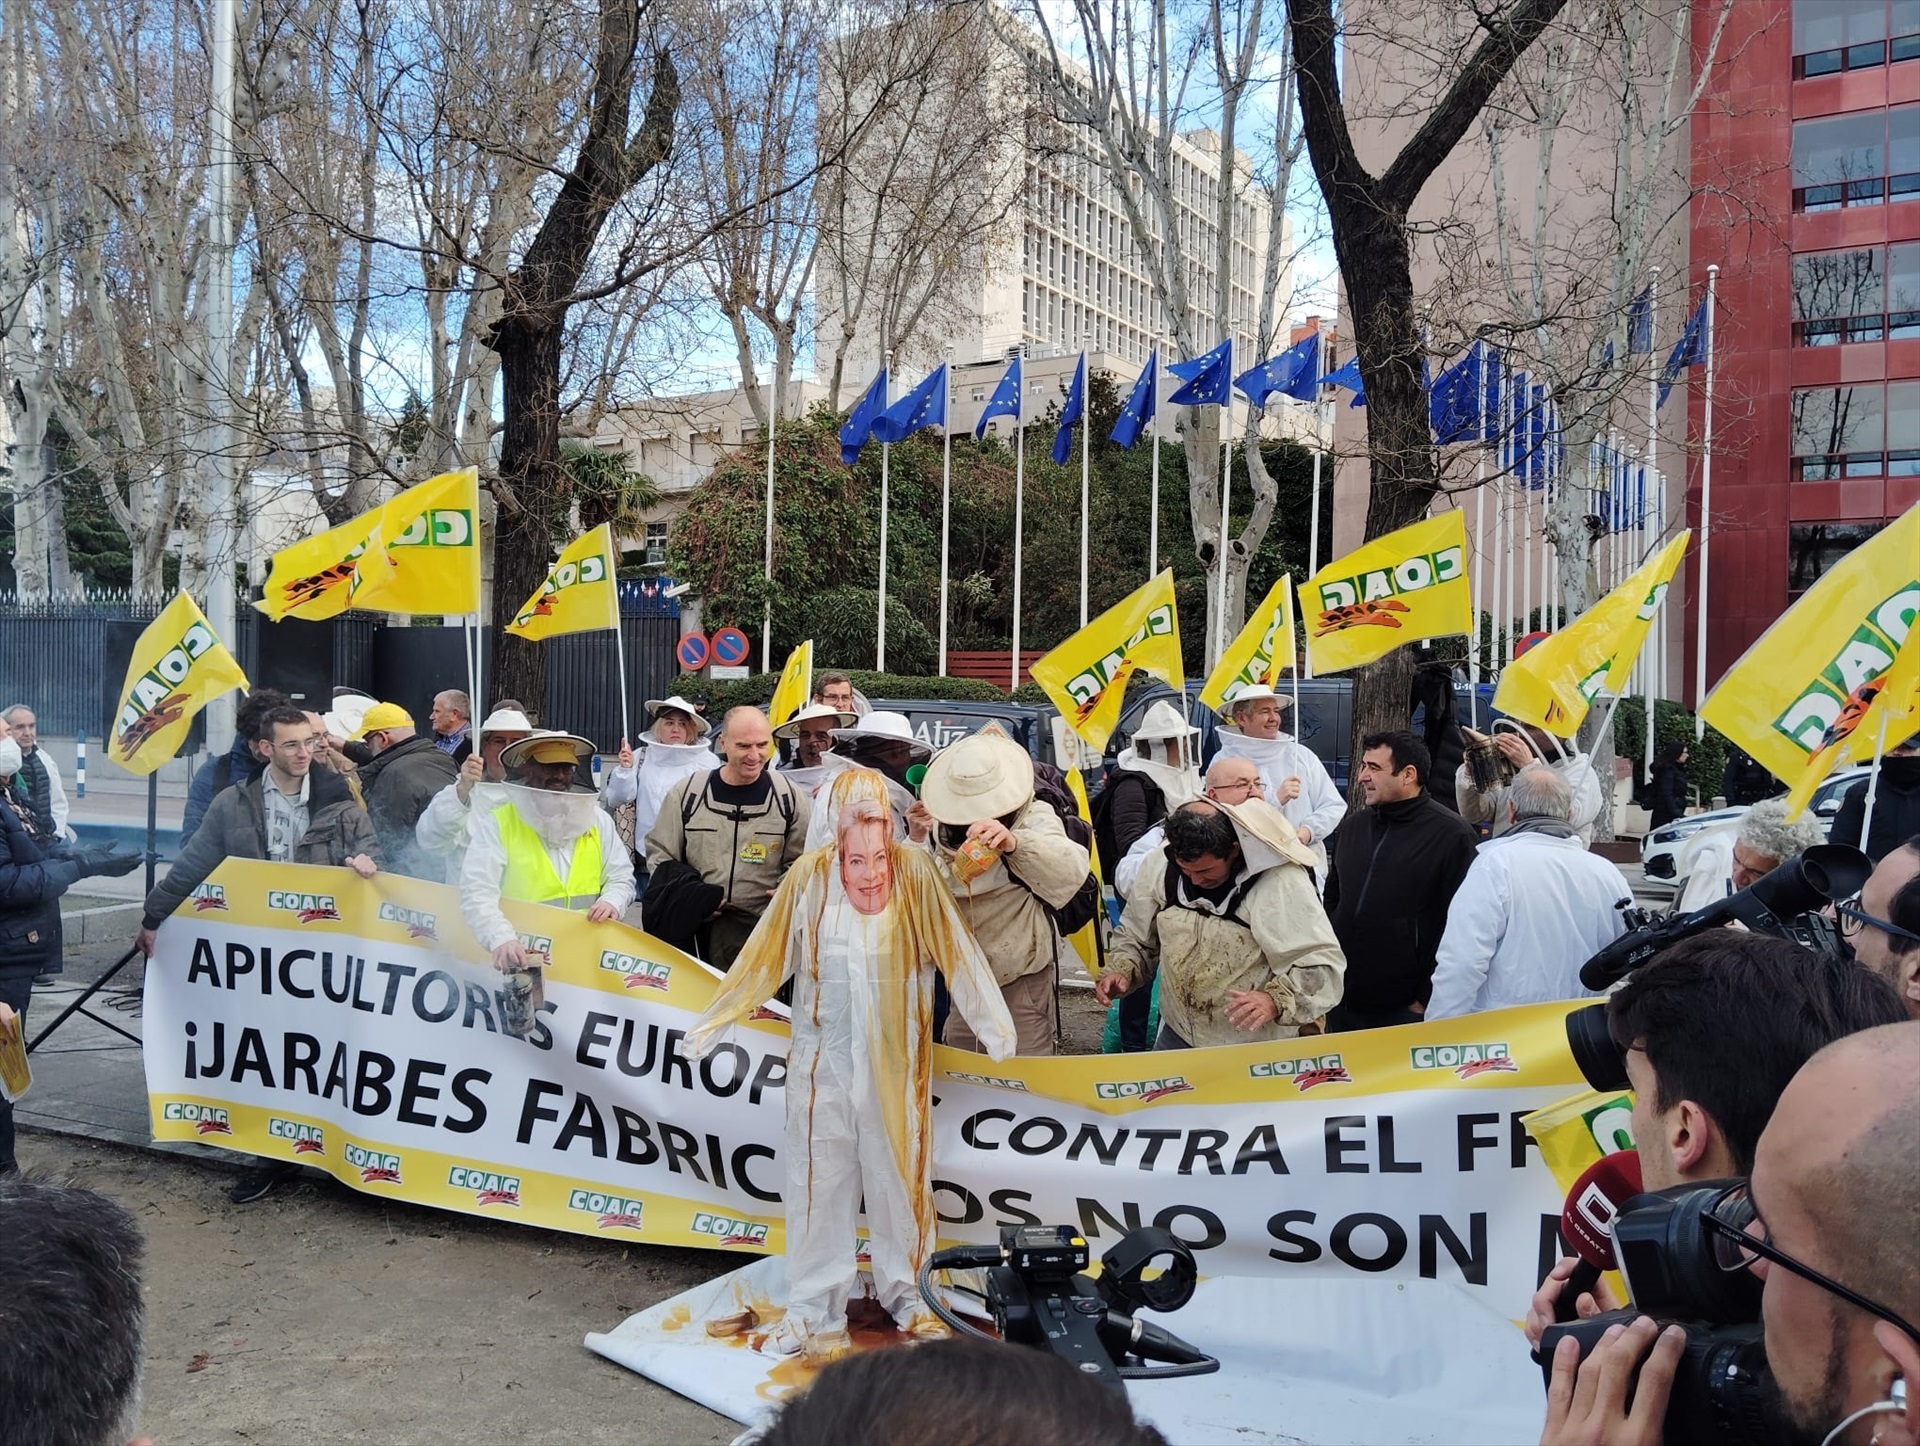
x=1713 y=1029
x=1883 y=923
x=1827 y=1225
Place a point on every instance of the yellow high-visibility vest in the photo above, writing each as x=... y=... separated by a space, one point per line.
x=530 y=874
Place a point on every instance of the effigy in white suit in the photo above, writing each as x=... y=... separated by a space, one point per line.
x=860 y=926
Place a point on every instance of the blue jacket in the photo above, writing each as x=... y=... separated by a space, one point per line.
x=240 y=764
x=33 y=876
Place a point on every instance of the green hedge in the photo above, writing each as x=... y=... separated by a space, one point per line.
x=758 y=690
x=1707 y=760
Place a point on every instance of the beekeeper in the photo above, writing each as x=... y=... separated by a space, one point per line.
x=861 y=926
x=444 y=823
x=808 y=739
x=1295 y=780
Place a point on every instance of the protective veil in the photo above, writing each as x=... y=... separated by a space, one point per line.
x=862 y=939
x=650 y=780
x=559 y=818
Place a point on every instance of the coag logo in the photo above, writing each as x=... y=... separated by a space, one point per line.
x=1086 y=686
x=539 y=950
x=611 y=1212
x=209 y=896
x=205 y=1119
x=640 y=973
x=566 y=575
x=308 y=908
x=375 y=1167
x=152 y=704
x=488 y=1186
x=1611 y=1124
x=990 y=1081
x=306 y=1139
x=1314 y=1069
x=1845 y=688
x=417 y=924
x=1372 y=598
x=1143 y=1090
x=437 y=527
x=730 y=1231
x=1465 y=1060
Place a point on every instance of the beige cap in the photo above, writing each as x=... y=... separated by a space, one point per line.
x=813 y=711
x=547 y=746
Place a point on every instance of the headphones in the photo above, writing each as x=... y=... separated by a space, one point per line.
x=1894 y=1405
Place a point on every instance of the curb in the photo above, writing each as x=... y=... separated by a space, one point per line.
x=97 y=926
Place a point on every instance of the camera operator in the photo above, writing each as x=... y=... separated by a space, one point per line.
x=1712 y=1030
x=1883 y=923
x=1827 y=1226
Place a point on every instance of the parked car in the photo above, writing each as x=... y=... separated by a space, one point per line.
x=941 y=721
x=1660 y=849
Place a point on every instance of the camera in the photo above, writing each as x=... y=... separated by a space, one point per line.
x=1038 y=1296
x=1678 y=1269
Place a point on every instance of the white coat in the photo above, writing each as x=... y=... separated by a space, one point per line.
x=1318 y=806
x=1531 y=911
x=649 y=780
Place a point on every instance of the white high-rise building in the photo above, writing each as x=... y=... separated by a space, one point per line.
x=1060 y=270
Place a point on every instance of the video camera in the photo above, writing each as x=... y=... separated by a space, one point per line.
x=1680 y=1270
x=1038 y=1297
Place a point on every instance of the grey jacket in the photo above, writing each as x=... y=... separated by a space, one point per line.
x=398 y=784
x=236 y=828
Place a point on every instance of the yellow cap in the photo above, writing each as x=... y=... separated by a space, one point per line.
x=384 y=715
x=549 y=750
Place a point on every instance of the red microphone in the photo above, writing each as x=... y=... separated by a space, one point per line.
x=1586 y=1223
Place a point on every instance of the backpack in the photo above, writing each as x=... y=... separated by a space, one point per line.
x=782 y=798
x=1107 y=846
x=1049 y=787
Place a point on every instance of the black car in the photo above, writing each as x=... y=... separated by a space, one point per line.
x=940 y=722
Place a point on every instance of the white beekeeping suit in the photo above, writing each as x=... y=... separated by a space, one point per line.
x=1318 y=806
x=860 y=927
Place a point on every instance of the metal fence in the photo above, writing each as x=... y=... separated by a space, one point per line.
x=67 y=659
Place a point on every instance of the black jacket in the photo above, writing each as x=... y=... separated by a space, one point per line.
x=1668 y=794
x=33 y=876
x=1138 y=804
x=1896 y=809
x=1392 y=870
x=398 y=784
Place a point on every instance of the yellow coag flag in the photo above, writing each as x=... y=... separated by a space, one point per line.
x=1794 y=691
x=314 y=578
x=1553 y=683
x=1263 y=648
x=1086 y=943
x=578 y=596
x=1892 y=700
x=1408 y=585
x=790 y=694
x=178 y=665
x=425 y=555
x=1086 y=676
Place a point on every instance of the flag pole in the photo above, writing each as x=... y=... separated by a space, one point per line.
x=1479 y=534
x=1086 y=451
x=1651 y=674
x=1220 y=559
x=1706 y=522
x=766 y=617
x=886 y=400
x=1320 y=426
x=1019 y=501
x=1873 y=779
x=1153 y=516
x=620 y=658
x=946 y=498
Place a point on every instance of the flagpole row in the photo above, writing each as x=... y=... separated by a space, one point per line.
x=620 y=661
x=766 y=616
x=1019 y=504
x=1654 y=679
x=946 y=497
x=1706 y=521
x=1153 y=516
x=1086 y=454
x=886 y=400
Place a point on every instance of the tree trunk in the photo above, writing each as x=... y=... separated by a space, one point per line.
x=531 y=495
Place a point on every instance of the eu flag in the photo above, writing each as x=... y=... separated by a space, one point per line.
x=924 y=406
x=1294 y=373
x=1640 y=325
x=1139 y=408
x=1208 y=380
x=1453 y=404
x=1070 y=418
x=1689 y=351
x=866 y=411
x=1348 y=377
x=1005 y=401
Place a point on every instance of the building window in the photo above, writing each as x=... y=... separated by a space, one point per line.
x=1830 y=36
x=1871 y=294
x=1816 y=547
x=1843 y=431
x=1856 y=160
x=656 y=541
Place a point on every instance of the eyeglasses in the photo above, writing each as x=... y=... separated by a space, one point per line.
x=1214 y=788
x=1730 y=1222
x=1852 y=919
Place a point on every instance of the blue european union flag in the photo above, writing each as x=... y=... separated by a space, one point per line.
x=1208 y=380
x=859 y=426
x=1689 y=351
x=1294 y=373
x=924 y=406
x=1005 y=401
x=1069 y=418
x=1453 y=404
x=1640 y=324
x=1348 y=378
x=1139 y=408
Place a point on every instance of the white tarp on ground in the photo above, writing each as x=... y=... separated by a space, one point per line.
x=1324 y=1361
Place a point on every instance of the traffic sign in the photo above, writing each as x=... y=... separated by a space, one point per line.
x=692 y=653
x=729 y=647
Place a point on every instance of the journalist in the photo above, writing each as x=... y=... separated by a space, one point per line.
x=1826 y=1223
x=1882 y=922
x=1712 y=1030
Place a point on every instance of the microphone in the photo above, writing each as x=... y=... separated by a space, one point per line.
x=1587 y=1222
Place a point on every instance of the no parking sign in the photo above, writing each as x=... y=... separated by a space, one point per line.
x=691 y=654
x=729 y=647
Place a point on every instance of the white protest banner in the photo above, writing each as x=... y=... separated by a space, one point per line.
x=307 y=1014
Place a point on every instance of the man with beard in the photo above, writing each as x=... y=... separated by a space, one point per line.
x=809 y=735
x=1826 y=1222
x=1296 y=781
x=549 y=843
x=444 y=826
